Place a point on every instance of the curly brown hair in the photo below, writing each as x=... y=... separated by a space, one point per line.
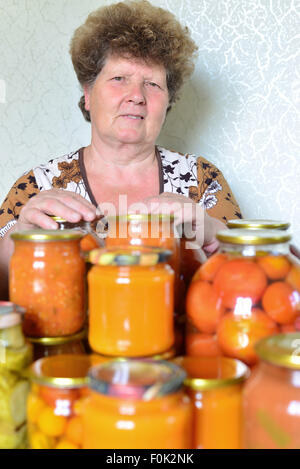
x=135 y=29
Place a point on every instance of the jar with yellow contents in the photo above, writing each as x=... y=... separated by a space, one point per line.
x=58 y=389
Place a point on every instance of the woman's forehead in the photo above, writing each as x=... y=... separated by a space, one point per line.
x=130 y=63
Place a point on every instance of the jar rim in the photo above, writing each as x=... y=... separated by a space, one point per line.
x=46 y=235
x=58 y=340
x=281 y=350
x=143 y=380
x=142 y=217
x=258 y=224
x=71 y=371
x=129 y=256
x=236 y=372
x=253 y=237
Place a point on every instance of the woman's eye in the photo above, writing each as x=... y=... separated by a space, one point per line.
x=117 y=78
x=151 y=83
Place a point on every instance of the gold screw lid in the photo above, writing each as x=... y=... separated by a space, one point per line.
x=258 y=224
x=58 y=340
x=60 y=371
x=46 y=235
x=281 y=350
x=129 y=256
x=58 y=219
x=253 y=237
x=142 y=217
x=206 y=373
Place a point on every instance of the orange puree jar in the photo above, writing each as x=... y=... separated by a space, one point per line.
x=47 y=278
x=215 y=387
x=271 y=397
x=136 y=404
x=130 y=302
x=58 y=390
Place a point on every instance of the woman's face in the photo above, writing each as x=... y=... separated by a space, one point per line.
x=128 y=102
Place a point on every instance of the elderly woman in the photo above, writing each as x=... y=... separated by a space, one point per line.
x=131 y=60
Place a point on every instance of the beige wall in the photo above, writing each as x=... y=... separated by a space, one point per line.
x=240 y=110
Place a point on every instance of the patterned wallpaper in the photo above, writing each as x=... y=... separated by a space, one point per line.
x=240 y=110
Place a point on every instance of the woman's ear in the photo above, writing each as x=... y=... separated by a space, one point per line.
x=86 y=90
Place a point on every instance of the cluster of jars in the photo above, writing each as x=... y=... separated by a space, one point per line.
x=125 y=394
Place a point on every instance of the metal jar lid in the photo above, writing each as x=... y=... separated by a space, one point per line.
x=258 y=224
x=253 y=237
x=142 y=217
x=129 y=256
x=143 y=380
x=46 y=235
x=10 y=314
x=206 y=373
x=61 y=371
x=281 y=350
x=51 y=341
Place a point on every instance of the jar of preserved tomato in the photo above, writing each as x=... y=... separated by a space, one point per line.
x=130 y=302
x=15 y=356
x=48 y=346
x=271 y=397
x=58 y=390
x=136 y=404
x=47 y=278
x=214 y=385
x=90 y=231
x=245 y=292
x=258 y=224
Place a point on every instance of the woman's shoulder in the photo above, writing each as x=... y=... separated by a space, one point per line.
x=184 y=159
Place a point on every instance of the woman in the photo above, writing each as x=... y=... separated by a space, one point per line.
x=131 y=60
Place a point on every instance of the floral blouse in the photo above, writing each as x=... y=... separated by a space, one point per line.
x=188 y=175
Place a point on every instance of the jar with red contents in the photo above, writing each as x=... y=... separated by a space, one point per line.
x=47 y=278
x=247 y=291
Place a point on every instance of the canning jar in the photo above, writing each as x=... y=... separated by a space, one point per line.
x=58 y=389
x=136 y=404
x=271 y=397
x=47 y=278
x=214 y=385
x=90 y=231
x=247 y=291
x=97 y=359
x=253 y=224
x=130 y=302
x=48 y=346
x=15 y=356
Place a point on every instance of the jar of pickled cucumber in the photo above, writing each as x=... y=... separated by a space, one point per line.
x=249 y=290
x=58 y=389
x=15 y=356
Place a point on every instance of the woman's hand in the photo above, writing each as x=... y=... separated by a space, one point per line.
x=56 y=202
x=197 y=225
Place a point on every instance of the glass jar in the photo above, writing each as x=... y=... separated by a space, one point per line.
x=58 y=390
x=130 y=302
x=136 y=404
x=271 y=397
x=97 y=359
x=214 y=385
x=90 y=230
x=258 y=224
x=15 y=356
x=47 y=278
x=48 y=346
x=247 y=291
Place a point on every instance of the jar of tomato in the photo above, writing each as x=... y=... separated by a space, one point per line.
x=245 y=292
x=58 y=390
x=214 y=385
x=47 y=278
x=130 y=302
x=136 y=404
x=271 y=397
x=90 y=231
x=48 y=346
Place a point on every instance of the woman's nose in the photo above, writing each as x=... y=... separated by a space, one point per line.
x=136 y=94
